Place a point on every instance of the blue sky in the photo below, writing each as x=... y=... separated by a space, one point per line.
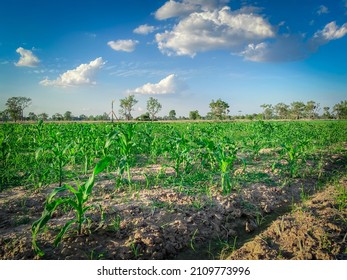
x=81 y=55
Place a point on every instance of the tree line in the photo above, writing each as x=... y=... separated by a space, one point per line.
x=219 y=110
x=299 y=110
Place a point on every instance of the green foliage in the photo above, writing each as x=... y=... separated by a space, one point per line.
x=153 y=107
x=78 y=202
x=127 y=104
x=219 y=109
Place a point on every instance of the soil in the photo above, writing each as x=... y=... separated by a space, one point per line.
x=165 y=223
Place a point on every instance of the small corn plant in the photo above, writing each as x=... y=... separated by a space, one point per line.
x=78 y=202
x=225 y=155
x=293 y=153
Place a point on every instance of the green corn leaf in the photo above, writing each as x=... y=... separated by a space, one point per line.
x=102 y=164
x=63 y=231
x=71 y=189
x=56 y=191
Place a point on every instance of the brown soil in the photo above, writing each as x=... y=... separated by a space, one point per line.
x=162 y=223
x=316 y=229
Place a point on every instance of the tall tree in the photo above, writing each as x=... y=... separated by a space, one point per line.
x=327 y=114
x=16 y=105
x=267 y=111
x=311 y=109
x=172 y=115
x=219 y=109
x=127 y=105
x=194 y=115
x=297 y=109
x=153 y=107
x=340 y=110
x=282 y=110
x=67 y=116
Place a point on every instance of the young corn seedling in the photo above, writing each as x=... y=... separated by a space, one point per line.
x=126 y=144
x=78 y=202
x=225 y=155
x=293 y=154
x=179 y=150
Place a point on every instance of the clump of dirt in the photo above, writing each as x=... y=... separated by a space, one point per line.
x=317 y=229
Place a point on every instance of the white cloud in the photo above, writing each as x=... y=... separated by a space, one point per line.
x=123 y=45
x=27 y=58
x=293 y=47
x=185 y=7
x=173 y=9
x=78 y=76
x=144 y=29
x=168 y=85
x=285 y=48
x=322 y=10
x=331 y=32
x=211 y=30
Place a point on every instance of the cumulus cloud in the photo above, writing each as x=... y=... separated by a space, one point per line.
x=123 y=45
x=168 y=85
x=331 y=32
x=293 y=47
x=27 y=58
x=204 y=25
x=211 y=30
x=144 y=29
x=81 y=75
x=182 y=8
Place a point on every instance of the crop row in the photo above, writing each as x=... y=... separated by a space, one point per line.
x=40 y=154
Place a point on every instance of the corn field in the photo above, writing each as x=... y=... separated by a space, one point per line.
x=198 y=160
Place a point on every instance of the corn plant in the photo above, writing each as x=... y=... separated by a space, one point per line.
x=179 y=150
x=293 y=153
x=225 y=156
x=124 y=137
x=78 y=202
x=40 y=173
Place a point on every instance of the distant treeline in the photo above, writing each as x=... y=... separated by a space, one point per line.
x=219 y=111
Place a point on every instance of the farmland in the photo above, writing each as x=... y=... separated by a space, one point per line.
x=165 y=190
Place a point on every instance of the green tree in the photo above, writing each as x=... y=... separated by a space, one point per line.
x=340 y=110
x=172 y=115
x=219 y=109
x=282 y=110
x=4 y=116
x=127 y=105
x=194 y=115
x=16 y=105
x=43 y=116
x=268 y=111
x=144 y=117
x=67 y=116
x=311 y=109
x=297 y=109
x=82 y=117
x=32 y=116
x=57 y=117
x=327 y=114
x=153 y=107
